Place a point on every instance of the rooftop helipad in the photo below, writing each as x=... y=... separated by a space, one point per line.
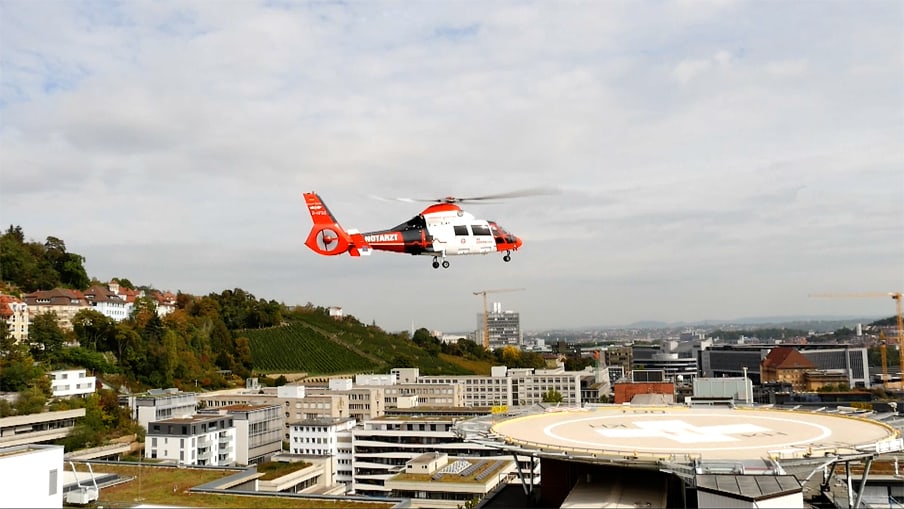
x=704 y=433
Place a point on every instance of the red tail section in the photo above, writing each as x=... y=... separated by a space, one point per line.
x=327 y=237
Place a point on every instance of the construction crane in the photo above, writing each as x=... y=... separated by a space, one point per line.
x=899 y=314
x=486 y=312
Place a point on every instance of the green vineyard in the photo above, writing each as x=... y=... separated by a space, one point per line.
x=297 y=348
x=320 y=345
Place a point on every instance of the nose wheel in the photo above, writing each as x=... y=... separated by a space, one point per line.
x=436 y=263
x=507 y=257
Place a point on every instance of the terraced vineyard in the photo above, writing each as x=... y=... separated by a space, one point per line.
x=320 y=345
x=297 y=347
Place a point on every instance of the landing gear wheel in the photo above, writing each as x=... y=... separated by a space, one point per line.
x=507 y=257
x=445 y=264
x=435 y=264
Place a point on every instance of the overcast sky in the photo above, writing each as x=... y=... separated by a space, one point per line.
x=715 y=159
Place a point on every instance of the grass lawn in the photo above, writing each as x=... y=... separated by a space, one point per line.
x=169 y=486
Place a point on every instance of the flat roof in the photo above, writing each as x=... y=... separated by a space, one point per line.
x=681 y=433
x=749 y=487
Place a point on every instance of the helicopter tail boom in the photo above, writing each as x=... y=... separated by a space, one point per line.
x=327 y=237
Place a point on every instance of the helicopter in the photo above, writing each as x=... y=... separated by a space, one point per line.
x=442 y=229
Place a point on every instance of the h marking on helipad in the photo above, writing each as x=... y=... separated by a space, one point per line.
x=685 y=433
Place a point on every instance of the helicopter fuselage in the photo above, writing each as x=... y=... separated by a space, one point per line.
x=441 y=230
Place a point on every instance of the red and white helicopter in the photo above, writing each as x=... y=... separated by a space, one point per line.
x=442 y=229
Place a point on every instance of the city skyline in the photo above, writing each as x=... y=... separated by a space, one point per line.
x=712 y=160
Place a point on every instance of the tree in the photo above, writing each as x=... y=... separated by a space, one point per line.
x=552 y=396
x=46 y=336
x=92 y=328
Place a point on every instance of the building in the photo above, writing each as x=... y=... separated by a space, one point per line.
x=786 y=364
x=293 y=400
x=434 y=480
x=32 y=476
x=732 y=361
x=733 y=390
x=108 y=303
x=71 y=382
x=364 y=402
x=625 y=392
x=65 y=303
x=383 y=446
x=15 y=312
x=258 y=431
x=330 y=439
x=198 y=440
x=619 y=356
x=516 y=387
x=160 y=404
x=677 y=369
x=38 y=428
x=852 y=361
x=504 y=327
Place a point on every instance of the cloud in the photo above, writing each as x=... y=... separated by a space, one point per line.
x=701 y=147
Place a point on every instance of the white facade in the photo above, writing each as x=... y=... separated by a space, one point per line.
x=71 y=382
x=326 y=438
x=258 y=430
x=197 y=440
x=158 y=405
x=115 y=309
x=17 y=319
x=31 y=476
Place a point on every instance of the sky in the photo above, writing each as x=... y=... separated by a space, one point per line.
x=712 y=159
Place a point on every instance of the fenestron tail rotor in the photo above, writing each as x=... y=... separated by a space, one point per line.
x=327 y=239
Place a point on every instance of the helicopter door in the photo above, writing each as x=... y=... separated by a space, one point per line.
x=483 y=238
x=462 y=243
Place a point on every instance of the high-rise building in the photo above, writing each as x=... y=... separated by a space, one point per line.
x=503 y=326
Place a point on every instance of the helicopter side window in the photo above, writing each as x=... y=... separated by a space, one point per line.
x=480 y=229
x=461 y=230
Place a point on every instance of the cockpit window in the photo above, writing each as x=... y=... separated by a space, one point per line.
x=412 y=224
x=480 y=229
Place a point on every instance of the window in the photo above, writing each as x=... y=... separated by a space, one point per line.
x=480 y=229
x=461 y=230
x=53 y=482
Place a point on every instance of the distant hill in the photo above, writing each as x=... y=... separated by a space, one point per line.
x=818 y=323
x=320 y=345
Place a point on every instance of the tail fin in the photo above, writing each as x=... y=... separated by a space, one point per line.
x=327 y=237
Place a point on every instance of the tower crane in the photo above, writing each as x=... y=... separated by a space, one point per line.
x=486 y=321
x=899 y=315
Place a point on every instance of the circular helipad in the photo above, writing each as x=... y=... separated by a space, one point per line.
x=707 y=433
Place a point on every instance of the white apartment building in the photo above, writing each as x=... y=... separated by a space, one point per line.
x=293 y=400
x=15 y=312
x=258 y=431
x=71 y=382
x=199 y=440
x=31 y=476
x=327 y=438
x=160 y=404
x=383 y=446
x=108 y=303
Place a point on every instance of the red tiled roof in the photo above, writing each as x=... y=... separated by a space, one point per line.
x=786 y=357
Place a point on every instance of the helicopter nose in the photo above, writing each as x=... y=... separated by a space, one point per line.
x=518 y=242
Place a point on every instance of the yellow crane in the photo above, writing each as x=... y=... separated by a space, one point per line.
x=899 y=314
x=486 y=320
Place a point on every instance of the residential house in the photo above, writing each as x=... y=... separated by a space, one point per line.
x=198 y=440
x=71 y=382
x=15 y=312
x=65 y=303
x=108 y=303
